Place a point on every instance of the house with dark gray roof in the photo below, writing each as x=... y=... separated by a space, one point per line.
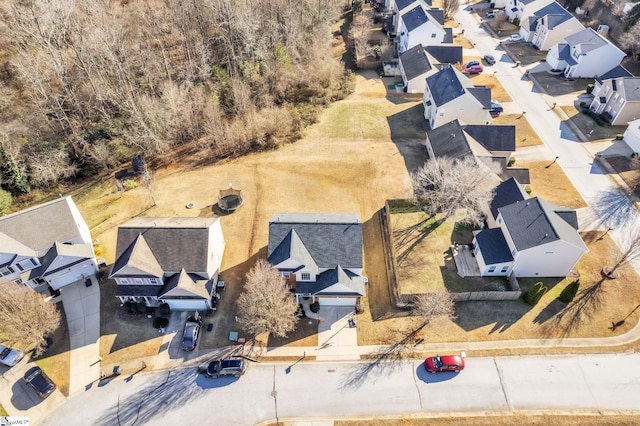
x=522 y=8
x=445 y=54
x=173 y=260
x=419 y=25
x=548 y=26
x=46 y=247
x=531 y=237
x=319 y=255
x=585 y=54
x=415 y=67
x=618 y=100
x=450 y=95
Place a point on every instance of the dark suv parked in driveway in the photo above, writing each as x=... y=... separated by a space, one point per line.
x=191 y=332
x=39 y=381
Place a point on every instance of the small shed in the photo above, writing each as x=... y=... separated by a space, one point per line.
x=230 y=199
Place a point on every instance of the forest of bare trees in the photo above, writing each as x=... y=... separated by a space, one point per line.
x=86 y=84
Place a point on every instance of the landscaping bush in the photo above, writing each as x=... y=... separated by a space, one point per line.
x=141 y=308
x=128 y=307
x=516 y=22
x=569 y=291
x=527 y=189
x=160 y=322
x=314 y=307
x=129 y=184
x=533 y=296
x=512 y=161
x=164 y=309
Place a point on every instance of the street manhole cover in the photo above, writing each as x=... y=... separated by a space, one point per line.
x=274 y=393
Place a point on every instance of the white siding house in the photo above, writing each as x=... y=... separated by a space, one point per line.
x=419 y=26
x=549 y=26
x=632 y=135
x=618 y=99
x=522 y=8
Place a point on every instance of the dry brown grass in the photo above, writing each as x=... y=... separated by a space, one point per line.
x=525 y=135
x=552 y=184
x=56 y=360
x=592 y=131
x=488 y=79
x=628 y=171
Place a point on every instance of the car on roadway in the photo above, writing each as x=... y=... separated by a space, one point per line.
x=191 y=332
x=444 y=363
x=39 y=381
x=226 y=367
x=515 y=37
x=489 y=59
x=10 y=356
x=496 y=108
x=473 y=67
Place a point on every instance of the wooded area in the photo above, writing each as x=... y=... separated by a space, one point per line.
x=87 y=84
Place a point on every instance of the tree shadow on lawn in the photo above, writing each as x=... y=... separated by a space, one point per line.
x=406 y=239
x=614 y=208
x=502 y=314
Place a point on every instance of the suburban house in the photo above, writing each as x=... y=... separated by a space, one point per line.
x=549 y=26
x=519 y=9
x=617 y=72
x=173 y=260
x=444 y=54
x=585 y=54
x=422 y=26
x=46 y=247
x=450 y=95
x=398 y=7
x=631 y=136
x=485 y=142
x=527 y=237
x=417 y=63
x=618 y=100
x=320 y=256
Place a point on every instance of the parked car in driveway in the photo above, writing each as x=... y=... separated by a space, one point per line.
x=515 y=37
x=191 y=332
x=489 y=59
x=495 y=12
x=10 y=356
x=39 y=381
x=496 y=108
x=473 y=67
x=441 y=364
x=227 y=367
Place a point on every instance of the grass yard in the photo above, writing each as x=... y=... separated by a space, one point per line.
x=56 y=360
x=3 y=412
x=525 y=135
x=552 y=184
x=487 y=79
x=628 y=171
x=589 y=128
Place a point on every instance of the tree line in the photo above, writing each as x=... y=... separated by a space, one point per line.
x=86 y=84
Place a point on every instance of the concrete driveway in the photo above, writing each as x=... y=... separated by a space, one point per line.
x=337 y=341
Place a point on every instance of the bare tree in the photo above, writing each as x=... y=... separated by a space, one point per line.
x=26 y=319
x=431 y=305
x=450 y=7
x=630 y=40
x=630 y=252
x=359 y=32
x=266 y=305
x=445 y=185
x=499 y=20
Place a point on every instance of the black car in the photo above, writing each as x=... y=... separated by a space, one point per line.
x=226 y=367
x=39 y=381
x=496 y=108
x=489 y=59
x=191 y=332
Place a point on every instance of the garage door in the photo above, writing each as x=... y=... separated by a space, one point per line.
x=337 y=301
x=187 y=304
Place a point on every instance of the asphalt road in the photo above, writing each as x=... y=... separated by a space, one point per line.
x=604 y=382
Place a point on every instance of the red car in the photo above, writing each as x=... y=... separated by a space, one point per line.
x=473 y=67
x=440 y=364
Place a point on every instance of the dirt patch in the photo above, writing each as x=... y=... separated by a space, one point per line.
x=552 y=184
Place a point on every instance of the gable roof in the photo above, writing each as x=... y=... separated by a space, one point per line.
x=292 y=247
x=61 y=256
x=482 y=94
x=493 y=246
x=415 y=62
x=437 y=15
x=449 y=140
x=534 y=222
x=506 y=193
x=630 y=88
x=587 y=39
x=414 y=18
x=140 y=257
x=617 y=72
x=331 y=239
x=555 y=13
x=445 y=54
x=336 y=281
x=445 y=85
x=39 y=227
x=184 y=286
x=403 y=4
x=176 y=243
x=10 y=245
x=493 y=138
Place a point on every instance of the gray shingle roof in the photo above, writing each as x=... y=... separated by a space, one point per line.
x=482 y=94
x=437 y=15
x=445 y=86
x=493 y=138
x=184 y=286
x=39 y=227
x=330 y=239
x=403 y=4
x=449 y=140
x=176 y=243
x=564 y=51
x=414 y=18
x=332 y=277
x=139 y=256
x=61 y=256
x=11 y=245
x=520 y=174
x=292 y=247
x=534 y=222
x=588 y=40
x=415 y=62
x=555 y=14
x=616 y=72
x=493 y=246
x=630 y=89
x=138 y=290
x=508 y=192
x=448 y=35
x=445 y=54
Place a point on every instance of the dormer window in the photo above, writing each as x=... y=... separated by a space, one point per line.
x=305 y=276
x=25 y=265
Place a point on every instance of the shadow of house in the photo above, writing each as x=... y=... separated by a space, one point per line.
x=407 y=133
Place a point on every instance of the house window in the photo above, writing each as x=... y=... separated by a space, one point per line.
x=433 y=35
x=286 y=275
x=428 y=103
x=492 y=269
x=153 y=281
x=306 y=276
x=5 y=271
x=27 y=264
x=138 y=281
x=504 y=269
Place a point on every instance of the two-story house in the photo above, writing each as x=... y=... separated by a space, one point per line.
x=398 y=7
x=549 y=26
x=419 y=62
x=585 y=54
x=519 y=9
x=618 y=100
x=173 y=260
x=319 y=255
x=527 y=237
x=631 y=136
x=421 y=26
x=450 y=95
x=46 y=247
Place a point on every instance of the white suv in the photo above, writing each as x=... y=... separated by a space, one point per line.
x=494 y=13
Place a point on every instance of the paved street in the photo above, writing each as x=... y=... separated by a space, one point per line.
x=365 y=388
